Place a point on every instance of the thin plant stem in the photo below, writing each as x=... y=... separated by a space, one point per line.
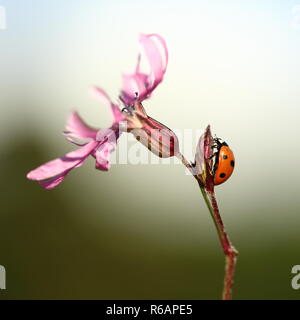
x=229 y=251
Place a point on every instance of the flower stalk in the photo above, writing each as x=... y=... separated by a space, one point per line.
x=204 y=179
x=229 y=251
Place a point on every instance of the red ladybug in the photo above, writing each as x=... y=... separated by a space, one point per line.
x=223 y=162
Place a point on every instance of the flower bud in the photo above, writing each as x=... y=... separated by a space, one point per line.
x=204 y=160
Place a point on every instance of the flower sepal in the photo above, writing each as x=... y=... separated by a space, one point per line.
x=204 y=161
x=154 y=135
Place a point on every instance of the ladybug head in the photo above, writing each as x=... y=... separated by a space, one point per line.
x=219 y=142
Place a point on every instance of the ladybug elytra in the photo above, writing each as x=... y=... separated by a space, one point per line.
x=224 y=162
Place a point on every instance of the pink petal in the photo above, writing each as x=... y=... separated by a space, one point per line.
x=117 y=114
x=132 y=84
x=103 y=156
x=101 y=95
x=104 y=98
x=78 y=144
x=106 y=135
x=58 y=168
x=157 y=55
x=77 y=128
x=52 y=183
x=158 y=60
x=108 y=145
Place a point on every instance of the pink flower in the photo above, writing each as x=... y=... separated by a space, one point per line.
x=139 y=86
x=101 y=143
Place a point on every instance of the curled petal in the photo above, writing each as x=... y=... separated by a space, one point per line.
x=158 y=60
x=101 y=95
x=78 y=144
x=134 y=85
x=56 y=170
x=104 y=98
x=141 y=83
x=108 y=142
x=52 y=183
x=77 y=128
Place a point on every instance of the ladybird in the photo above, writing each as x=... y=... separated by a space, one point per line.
x=223 y=162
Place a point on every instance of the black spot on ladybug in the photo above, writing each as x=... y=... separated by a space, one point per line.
x=232 y=163
x=222 y=175
x=225 y=157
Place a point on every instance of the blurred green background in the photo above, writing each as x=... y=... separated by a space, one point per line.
x=142 y=231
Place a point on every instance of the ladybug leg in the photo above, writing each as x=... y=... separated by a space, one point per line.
x=213 y=155
x=217 y=142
